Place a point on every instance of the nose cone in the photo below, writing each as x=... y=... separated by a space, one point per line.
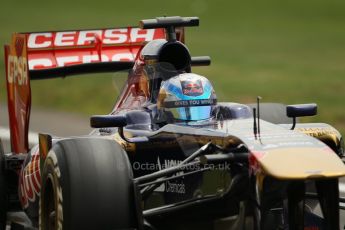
x=302 y=163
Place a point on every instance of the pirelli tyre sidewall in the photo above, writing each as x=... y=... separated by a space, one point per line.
x=87 y=184
x=51 y=194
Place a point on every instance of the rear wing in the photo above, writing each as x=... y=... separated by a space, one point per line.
x=42 y=55
x=50 y=52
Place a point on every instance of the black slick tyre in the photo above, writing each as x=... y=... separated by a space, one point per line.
x=87 y=184
x=268 y=204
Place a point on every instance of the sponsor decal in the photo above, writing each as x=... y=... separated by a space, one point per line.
x=64 y=59
x=17 y=70
x=318 y=132
x=89 y=37
x=79 y=47
x=30 y=180
x=288 y=144
x=171 y=186
x=188 y=103
x=192 y=87
x=17 y=62
x=175 y=187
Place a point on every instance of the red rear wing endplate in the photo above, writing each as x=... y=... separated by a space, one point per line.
x=54 y=54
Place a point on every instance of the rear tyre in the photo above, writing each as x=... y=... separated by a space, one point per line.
x=87 y=184
x=3 y=191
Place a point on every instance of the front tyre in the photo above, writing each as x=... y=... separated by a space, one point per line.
x=87 y=184
x=268 y=204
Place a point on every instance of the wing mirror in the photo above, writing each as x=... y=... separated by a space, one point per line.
x=300 y=110
x=104 y=121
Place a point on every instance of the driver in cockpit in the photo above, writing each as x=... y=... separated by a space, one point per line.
x=184 y=98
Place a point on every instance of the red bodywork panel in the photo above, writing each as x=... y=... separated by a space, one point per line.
x=48 y=50
x=18 y=92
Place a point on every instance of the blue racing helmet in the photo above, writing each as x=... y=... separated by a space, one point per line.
x=187 y=97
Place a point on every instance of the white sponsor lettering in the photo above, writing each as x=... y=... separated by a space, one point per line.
x=175 y=187
x=33 y=40
x=64 y=38
x=104 y=58
x=82 y=38
x=194 y=102
x=39 y=63
x=17 y=70
x=69 y=60
x=87 y=37
x=29 y=180
x=170 y=186
x=62 y=61
x=180 y=103
x=172 y=163
x=115 y=36
x=90 y=58
x=137 y=33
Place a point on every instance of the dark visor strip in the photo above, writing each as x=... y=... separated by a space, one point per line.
x=188 y=103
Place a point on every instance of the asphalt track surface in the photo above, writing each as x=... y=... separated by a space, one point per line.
x=67 y=124
x=52 y=122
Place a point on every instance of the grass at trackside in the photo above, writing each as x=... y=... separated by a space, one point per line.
x=289 y=52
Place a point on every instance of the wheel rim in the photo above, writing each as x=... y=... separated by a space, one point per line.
x=49 y=208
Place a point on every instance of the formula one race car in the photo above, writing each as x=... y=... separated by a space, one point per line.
x=169 y=156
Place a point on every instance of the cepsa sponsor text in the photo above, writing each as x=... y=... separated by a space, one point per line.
x=79 y=47
x=17 y=70
x=88 y=37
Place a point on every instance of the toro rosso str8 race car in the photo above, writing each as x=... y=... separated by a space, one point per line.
x=169 y=155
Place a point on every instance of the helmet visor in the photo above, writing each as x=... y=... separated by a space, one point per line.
x=191 y=110
x=191 y=113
